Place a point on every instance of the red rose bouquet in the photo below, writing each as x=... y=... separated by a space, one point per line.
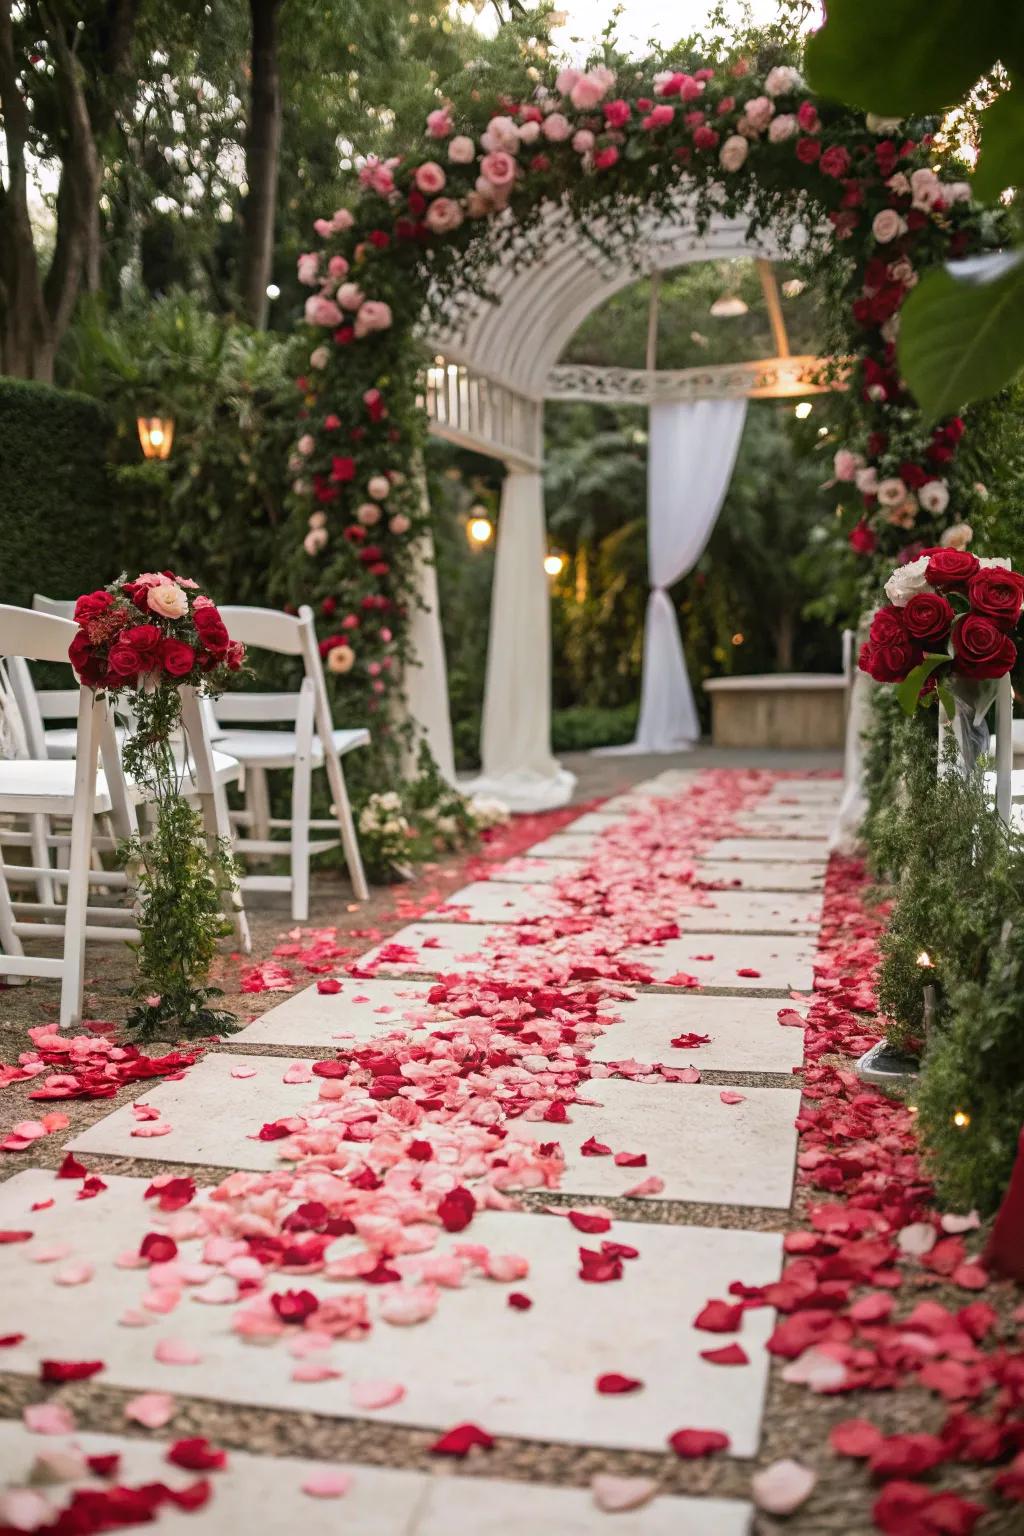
x=153 y=637
x=159 y=628
x=947 y=630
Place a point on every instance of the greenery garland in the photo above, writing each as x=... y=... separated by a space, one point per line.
x=422 y=234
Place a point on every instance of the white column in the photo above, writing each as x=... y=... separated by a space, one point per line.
x=516 y=744
x=426 y=676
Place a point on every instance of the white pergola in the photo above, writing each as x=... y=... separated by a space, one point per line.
x=485 y=389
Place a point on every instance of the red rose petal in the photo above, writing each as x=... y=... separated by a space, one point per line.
x=197 y=1455
x=690 y=1443
x=855 y=1437
x=720 y=1317
x=456 y=1209
x=611 y=1383
x=518 y=1302
x=461 y=1440
x=589 y=1224
x=69 y=1370
x=71 y=1168
x=729 y=1354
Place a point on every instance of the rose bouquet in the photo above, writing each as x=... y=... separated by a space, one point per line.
x=947 y=630
x=149 y=639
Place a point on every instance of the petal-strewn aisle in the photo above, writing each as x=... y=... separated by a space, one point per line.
x=508 y=1193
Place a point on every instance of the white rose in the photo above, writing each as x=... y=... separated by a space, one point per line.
x=906 y=581
x=461 y=150
x=934 y=496
x=958 y=536
x=994 y=562
x=378 y=486
x=319 y=357
x=866 y=480
x=782 y=79
x=892 y=492
x=168 y=601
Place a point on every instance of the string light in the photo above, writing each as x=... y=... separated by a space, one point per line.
x=554 y=564
x=479 y=528
x=961 y=1119
x=273 y=291
x=803 y=410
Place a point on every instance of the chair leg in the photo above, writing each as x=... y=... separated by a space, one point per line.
x=257 y=803
x=301 y=806
x=39 y=828
x=214 y=807
x=75 y=909
x=346 y=826
x=10 y=943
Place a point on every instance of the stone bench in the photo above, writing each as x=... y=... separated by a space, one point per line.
x=792 y=710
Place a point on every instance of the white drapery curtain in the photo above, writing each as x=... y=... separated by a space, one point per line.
x=425 y=683
x=516 y=742
x=691 y=453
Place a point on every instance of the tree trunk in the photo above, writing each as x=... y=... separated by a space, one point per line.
x=262 y=153
x=785 y=634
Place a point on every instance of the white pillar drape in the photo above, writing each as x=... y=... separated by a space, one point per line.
x=691 y=453
x=426 y=677
x=516 y=742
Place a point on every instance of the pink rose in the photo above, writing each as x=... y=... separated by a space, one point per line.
x=782 y=79
x=399 y=524
x=319 y=357
x=556 y=127
x=338 y=266
x=321 y=311
x=341 y=220
x=705 y=138
x=349 y=296
x=315 y=541
x=306 y=444
x=759 y=112
x=659 y=116
x=583 y=141
x=887 y=225
x=733 y=152
x=461 y=150
x=934 y=496
x=498 y=168
x=443 y=215
x=309 y=269
x=589 y=91
x=323 y=227
x=846 y=464
x=378 y=487
x=501 y=133
x=369 y=514
x=807 y=117
x=565 y=81
x=926 y=188
x=782 y=128
x=605 y=158
x=373 y=316
x=167 y=601
x=529 y=132
x=617 y=113
x=892 y=492
x=439 y=123
x=429 y=177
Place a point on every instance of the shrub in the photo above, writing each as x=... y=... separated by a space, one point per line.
x=580 y=729
x=59 y=512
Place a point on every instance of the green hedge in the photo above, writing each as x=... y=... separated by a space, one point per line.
x=60 y=524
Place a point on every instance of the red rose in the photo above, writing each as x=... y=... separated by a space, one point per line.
x=887 y=626
x=178 y=658
x=950 y=567
x=616 y=113
x=981 y=648
x=807 y=151
x=145 y=639
x=889 y=662
x=91 y=605
x=86 y=662
x=807 y=117
x=235 y=656
x=212 y=630
x=124 y=662
x=835 y=161
x=862 y=540
x=343 y=469
x=605 y=158
x=997 y=595
x=927 y=618
x=705 y=138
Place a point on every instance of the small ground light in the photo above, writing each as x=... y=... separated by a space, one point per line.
x=924 y=960
x=479 y=529
x=156 y=434
x=554 y=564
x=273 y=291
x=803 y=410
x=961 y=1119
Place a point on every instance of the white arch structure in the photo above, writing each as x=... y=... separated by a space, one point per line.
x=485 y=388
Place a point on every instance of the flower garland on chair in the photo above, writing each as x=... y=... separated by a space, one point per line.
x=147 y=640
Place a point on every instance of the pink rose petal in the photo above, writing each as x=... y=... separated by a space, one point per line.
x=727 y=1096
x=151 y=1409
x=327 y=1483
x=782 y=1487
x=48 y=1419
x=615 y=1494
x=176 y=1352
x=376 y=1394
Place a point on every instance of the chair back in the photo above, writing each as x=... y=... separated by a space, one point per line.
x=59 y=607
x=35 y=636
x=266 y=629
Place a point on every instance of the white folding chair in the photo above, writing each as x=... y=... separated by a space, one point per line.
x=311 y=742
x=75 y=789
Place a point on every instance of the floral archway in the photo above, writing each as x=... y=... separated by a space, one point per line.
x=865 y=202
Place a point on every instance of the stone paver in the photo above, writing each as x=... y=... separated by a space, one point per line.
x=491 y=901
x=567 y=845
x=264 y=1494
x=515 y=1373
x=718 y=960
x=746 y=1035
x=754 y=876
x=531 y=871
x=361 y=1010
x=769 y=849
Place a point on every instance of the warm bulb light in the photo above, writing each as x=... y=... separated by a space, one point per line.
x=961 y=1119
x=803 y=410
x=737 y=639
x=479 y=529
x=273 y=291
x=924 y=960
x=554 y=564
x=156 y=434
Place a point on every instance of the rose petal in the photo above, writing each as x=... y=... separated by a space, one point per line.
x=782 y=1487
x=376 y=1394
x=151 y=1409
x=327 y=1483
x=615 y=1494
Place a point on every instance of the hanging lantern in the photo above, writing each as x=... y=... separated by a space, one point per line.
x=479 y=529
x=156 y=434
x=728 y=306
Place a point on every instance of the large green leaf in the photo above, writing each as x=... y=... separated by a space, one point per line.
x=903 y=56
x=908 y=692
x=962 y=337
x=1001 y=163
